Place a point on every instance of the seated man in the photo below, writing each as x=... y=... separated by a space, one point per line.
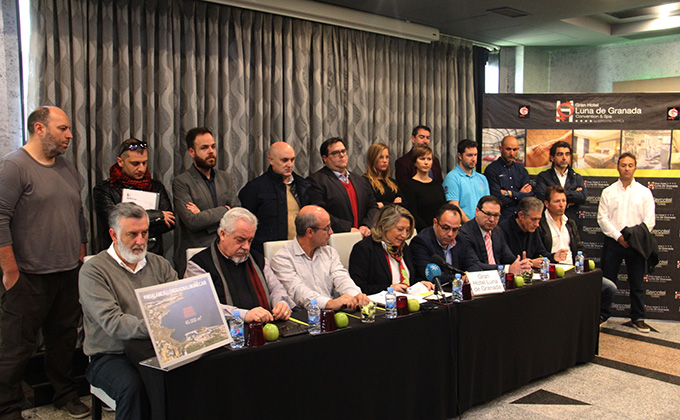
x=558 y=231
x=310 y=269
x=523 y=237
x=440 y=239
x=111 y=314
x=242 y=277
x=488 y=244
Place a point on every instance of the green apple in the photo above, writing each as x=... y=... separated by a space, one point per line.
x=270 y=332
x=413 y=305
x=341 y=319
x=591 y=264
x=519 y=281
x=559 y=271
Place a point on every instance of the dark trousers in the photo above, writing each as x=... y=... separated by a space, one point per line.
x=612 y=256
x=49 y=301
x=114 y=374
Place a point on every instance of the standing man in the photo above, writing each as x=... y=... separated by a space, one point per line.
x=464 y=186
x=562 y=174
x=626 y=205
x=131 y=172
x=275 y=197
x=508 y=180
x=347 y=197
x=403 y=167
x=42 y=242
x=202 y=195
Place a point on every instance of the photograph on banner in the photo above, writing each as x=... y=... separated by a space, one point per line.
x=491 y=143
x=596 y=149
x=651 y=147
x=675 y=150
x=538 y=144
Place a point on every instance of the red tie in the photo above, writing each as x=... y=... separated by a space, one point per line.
x=489 y=248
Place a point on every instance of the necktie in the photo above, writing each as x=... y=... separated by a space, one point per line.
x=489 y=248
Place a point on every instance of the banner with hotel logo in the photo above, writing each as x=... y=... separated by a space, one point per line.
x=599 y=128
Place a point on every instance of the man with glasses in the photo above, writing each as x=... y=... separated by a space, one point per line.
x=508 y=179
x=404 y=168
x=310 y=269
x=440 y=239
x=346 y=196
x=489 y=246
x=128 y=176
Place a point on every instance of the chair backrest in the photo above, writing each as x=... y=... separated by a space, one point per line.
x=87 y=258
x=343 y=243
x=272 y=247
x=193 y=251
x=415 y=232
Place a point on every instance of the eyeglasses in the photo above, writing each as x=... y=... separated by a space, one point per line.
x=447 y=228
x=338 y=153
x=492 y=215
x=132 y=147
x=327 y=228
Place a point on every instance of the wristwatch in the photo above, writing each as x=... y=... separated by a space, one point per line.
x=507 y=193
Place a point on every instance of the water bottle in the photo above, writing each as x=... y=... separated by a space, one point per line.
x=314 y=317
x=579 y=262
x=457 y=288
x=390 y=304
x=545 y=269
x=501 y=275
x=236 y=330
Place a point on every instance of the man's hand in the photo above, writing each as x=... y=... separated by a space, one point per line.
x=361 y=299
x=193 y=208
x=170 y=218
x=623 y=242
x=520 y=265
x=536 y=262
x=399 y=287
x=347 y=301
x=258 y=314
x=397 y=200
x=428 y=284
x=9 y=279
x=365 y=231
x=526 y=188
x=281 y=311
x=561 y=255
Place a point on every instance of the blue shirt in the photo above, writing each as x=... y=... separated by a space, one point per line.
x=466 y=189
x=502 y=176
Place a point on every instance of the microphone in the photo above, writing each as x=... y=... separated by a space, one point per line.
x=438 y=259
x=432 y=274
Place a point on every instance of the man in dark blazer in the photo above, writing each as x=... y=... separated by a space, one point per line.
x=403 y=167
x=562 y=174
x=275 y=197
x=472 y=234
x=346 y=196
x=202 y=194
x=440 y=239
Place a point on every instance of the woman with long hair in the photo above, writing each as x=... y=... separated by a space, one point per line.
x=378 y=174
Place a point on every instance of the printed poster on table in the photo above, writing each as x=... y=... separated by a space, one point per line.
x=184 y=319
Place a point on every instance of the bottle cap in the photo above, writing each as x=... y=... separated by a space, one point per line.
x=236 y=314
x=390 y=289
x=458 y=275
x=313 y=302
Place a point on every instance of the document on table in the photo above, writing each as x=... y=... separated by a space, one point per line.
x=379 y=298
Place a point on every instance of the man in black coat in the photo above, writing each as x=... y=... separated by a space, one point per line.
x=130 y=172
x=275 y=197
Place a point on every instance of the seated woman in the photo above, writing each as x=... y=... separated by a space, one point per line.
x=384 y=259
x=377 y=171
x=424 y=195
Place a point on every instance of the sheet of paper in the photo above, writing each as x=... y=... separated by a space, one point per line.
x=147 y=199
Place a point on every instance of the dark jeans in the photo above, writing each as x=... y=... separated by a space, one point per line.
x=49 y=301
x=114 y=374
x=612 y=256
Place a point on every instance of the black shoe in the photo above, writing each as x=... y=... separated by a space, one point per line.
x=76 y=409
x=641 y=326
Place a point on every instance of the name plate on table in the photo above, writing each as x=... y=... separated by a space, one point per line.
x=146 y=199
x=485 y=282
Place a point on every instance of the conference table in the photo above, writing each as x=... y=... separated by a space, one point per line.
x=432 y=364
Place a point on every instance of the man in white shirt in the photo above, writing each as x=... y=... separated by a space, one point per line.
x=626 y=203
x=310 y=269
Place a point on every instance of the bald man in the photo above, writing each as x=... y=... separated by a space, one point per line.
x=275 y=197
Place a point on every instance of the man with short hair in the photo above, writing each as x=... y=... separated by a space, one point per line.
x=404 y=168
x=111 y=313
x=626 y=215
x=508 y=179
x=523 y=237
x=242 y=277
x=489 y=246
x=464 y=186
x=202 y=195
x=310 y=269
x=131 y=172
x=346 y=196
x=42 y=242
x=440 y=239
x=562 y=174
x=275 y=197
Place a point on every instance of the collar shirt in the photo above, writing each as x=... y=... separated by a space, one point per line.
x=112 y=252
x=342 y=177
x=625 y=207
x=560 y=236
x=447 y=250
x=560 y=177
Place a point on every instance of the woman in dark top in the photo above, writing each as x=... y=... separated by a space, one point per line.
x=384 y=259
x=424 y=196
x=377 y=171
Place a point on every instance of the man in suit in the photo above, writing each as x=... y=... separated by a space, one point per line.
x=562 y=174
x=403 y=167
x=440 y=239
x=275 y=197
x=346 y=196
x=202 y=195
x=508 y=180
x=488 y=244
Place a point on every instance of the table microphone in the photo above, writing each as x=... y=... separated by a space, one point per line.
x=432 y=274
x=438 y=259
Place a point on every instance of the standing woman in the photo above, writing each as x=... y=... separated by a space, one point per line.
x=424 y=196
x=378 y=173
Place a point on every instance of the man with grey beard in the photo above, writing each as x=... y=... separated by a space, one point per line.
x=111 y=314
x=42 y=242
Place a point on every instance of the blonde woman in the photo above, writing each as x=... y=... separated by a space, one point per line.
x=385 y=188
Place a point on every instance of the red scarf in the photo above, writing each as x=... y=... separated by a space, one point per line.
x=117 y=177
x=257 y=284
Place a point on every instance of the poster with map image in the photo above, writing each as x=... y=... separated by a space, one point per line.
x=184 y=319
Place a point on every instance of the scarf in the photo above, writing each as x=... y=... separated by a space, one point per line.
x=117 y=177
